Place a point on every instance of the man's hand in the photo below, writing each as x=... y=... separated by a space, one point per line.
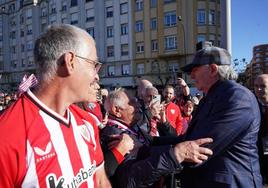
x=192 y=151
x=123 y=143
x=181 y=82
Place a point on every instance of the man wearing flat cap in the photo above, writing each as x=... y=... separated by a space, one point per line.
x=230 y=115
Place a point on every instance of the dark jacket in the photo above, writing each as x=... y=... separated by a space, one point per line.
x=144 y=165
x=230 y=115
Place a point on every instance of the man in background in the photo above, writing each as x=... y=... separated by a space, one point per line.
x=261 y=92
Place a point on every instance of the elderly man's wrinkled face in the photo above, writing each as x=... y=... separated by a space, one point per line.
x=261 y=88
x=201 y=77
x=129 y=108
x=149 y=95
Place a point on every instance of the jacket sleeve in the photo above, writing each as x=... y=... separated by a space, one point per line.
x=166 y=129
x=226 y=118
x=161 y=161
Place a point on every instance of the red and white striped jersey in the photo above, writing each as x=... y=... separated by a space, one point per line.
x=40 y=148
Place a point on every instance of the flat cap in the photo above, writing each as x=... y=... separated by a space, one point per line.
x=209 y=55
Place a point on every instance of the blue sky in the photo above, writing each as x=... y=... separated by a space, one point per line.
x=249 y=26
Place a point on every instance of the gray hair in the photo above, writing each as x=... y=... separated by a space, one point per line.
x=150 y=88
x=226 y=72
x=50 y=46
x=114 y=99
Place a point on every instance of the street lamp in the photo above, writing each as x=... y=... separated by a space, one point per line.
x=179 y=18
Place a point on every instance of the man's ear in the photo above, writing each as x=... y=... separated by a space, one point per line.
x=68 y=62
x=214 y=69
x=116 y=111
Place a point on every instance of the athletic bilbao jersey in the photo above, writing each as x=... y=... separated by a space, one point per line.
x=40 y=148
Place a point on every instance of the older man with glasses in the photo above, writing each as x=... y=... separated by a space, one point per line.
x=45 y=140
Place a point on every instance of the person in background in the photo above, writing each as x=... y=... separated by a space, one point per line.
x=229 y=114
x=46 y=140
x=143 y=164
x=261 y=92
x=173 y=112
x=182 y=93
x=188 y=108
x=159 y=124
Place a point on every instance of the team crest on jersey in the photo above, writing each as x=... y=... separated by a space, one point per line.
x=87 y=131
x=91 y=105
x=84 y=132
x=172 y=111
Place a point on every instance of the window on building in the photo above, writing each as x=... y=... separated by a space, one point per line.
x=43 y=27
x=14 y=64
x=43 y=12
x=110 y=31
x=109 y=12
x=201 y=38
x=173 y=67
x=53 y=8
x=153 y=3
x=91 y=31
x=12 y=21
x=140 y=47
x=111 y=70
x=110 y=51
x=52 y=19
x=212 y=39
x=30 y=62
x=123 y=8
x=13 y=49
x=170 y=19
x=139 y=26
x=90 y=15
x=11 y=8
x=74 y=18
x=74 y=3
x=29 y=46
x=169 y=1
x=140 y=68
x=64 y=6
x=153 y=23
x=218 y=18
x=64 y=20
x=12 y=34
x=124 y=49
x=139 y=5
x=155 y=66
x=201 y=16
x=88 y=0
x=211 y=17
x=23 y=63
x=125 y=69
x=154 y=45
x=170 y=42
x=22 y=47
x=29 y=14
x=29 y=29
x=21 y=19
x=124 y=29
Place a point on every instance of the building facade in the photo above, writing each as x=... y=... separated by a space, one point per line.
x=258 y=64
x=135 y=39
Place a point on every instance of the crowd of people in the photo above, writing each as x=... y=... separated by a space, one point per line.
x=59 y=133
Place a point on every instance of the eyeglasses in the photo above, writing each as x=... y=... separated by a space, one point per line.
x=97 y=64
